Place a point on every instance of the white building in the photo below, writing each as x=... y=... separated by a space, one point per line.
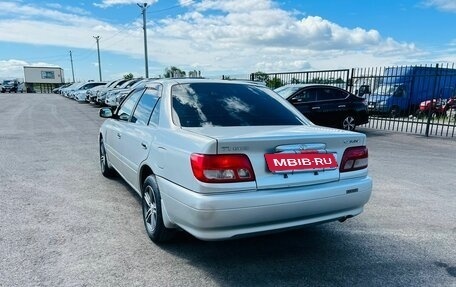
x=43 y=79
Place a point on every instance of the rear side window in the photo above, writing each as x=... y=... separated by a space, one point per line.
x=326 y=94
x=216 y=104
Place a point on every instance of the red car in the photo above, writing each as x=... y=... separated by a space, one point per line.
x=437 y=108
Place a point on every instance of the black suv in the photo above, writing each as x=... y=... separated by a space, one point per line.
x=10 y=86
x=327 y=105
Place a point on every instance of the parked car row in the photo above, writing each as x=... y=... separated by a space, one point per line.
x=77 y=91
x=101 y=93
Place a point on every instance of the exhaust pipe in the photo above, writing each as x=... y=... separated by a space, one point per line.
x=343 y=219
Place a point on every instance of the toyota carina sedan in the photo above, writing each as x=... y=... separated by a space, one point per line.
x=225 y=159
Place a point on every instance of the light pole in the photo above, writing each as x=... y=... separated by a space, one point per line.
x=72 y=69
x=143 y=9
x=98 y=51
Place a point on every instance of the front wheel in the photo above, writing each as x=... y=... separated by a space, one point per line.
x=106 y=170
x=152 y=212
x=349 y=123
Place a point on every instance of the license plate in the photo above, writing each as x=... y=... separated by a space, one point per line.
x=295 y=162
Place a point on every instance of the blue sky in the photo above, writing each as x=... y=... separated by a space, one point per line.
x=229 y=37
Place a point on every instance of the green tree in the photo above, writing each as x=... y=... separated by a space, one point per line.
x=260 y=76
x=173 y=72
x=274 y=83
x=128 y=76
x=295 y=81
x=316 y=80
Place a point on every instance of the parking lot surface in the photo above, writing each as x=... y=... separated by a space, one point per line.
x=63 y=224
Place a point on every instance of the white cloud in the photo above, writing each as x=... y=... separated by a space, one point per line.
x=185 y=3
x=444 y=5
x=256 y=34
x=109 y=3
x=12 y=67
x=15 y=68
x=71 y=9
x=211 y=36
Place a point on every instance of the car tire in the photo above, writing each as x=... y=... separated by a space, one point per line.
x=106 y=169
x=349 y=123
x=152 y=212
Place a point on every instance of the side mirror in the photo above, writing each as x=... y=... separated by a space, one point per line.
x=105 y=113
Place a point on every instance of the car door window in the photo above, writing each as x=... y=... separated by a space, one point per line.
x=145 y=106
x=400 y=92
x=328 y=94
x=308 y=95
x=154 y=119
x=128 y=105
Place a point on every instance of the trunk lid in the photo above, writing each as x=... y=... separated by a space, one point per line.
x=255 y=142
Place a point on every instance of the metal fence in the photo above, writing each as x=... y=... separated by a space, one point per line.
x=412 y=99
x=339 y=78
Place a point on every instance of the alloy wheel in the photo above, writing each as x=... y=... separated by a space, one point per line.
x=102 y=157
x=150 y=209
x=349 y=123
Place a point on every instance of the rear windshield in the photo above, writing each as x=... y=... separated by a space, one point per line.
x=286 y=91
x=216 y=104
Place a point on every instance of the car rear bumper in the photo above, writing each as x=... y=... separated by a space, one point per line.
x=363 y=118
x=223 y=216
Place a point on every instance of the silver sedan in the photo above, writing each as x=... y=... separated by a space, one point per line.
x=225 y=159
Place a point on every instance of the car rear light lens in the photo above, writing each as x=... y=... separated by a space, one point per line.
x=354 y=158
x=222 y=168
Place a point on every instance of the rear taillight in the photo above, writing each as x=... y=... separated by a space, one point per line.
x=354 y=158
x=222 y=168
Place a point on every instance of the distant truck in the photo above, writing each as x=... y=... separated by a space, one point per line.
x=364 y=85
x=402 y=89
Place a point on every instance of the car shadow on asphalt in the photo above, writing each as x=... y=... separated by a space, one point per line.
x=300 y=257
x=371 y=132
x=331 y=254
x=127 y=187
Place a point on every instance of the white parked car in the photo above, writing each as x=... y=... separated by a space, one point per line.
x=101 y=94
x=125 y=88
x=225 y=159
x=72 y=87
x=138 y=85
x=92 y=92
x=79 y=94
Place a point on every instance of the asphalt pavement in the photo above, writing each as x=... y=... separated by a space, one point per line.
x=63 y=224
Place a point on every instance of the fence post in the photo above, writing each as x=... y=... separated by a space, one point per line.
x=428 y=124
x=350 y=83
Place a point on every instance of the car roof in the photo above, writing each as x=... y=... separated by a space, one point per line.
x=311 y=85
x=173 y=81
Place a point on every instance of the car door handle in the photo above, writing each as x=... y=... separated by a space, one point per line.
x=341 y=106
x=144 y=146
x=119 y=135
x=315 y=108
